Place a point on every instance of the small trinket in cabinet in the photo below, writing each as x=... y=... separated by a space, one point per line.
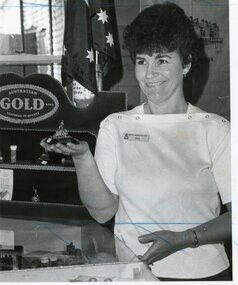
x=13 y=156
x=1 y=157
x=35 y=198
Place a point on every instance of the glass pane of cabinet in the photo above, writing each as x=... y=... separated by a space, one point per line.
x=32 y=250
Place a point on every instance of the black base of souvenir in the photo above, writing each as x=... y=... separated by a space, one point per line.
x=62 y=140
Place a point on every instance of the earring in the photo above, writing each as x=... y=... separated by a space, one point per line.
x=185 y=74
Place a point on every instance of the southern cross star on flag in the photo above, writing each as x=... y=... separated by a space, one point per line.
x=106 y=40
x=102 y=27
x=90 y=26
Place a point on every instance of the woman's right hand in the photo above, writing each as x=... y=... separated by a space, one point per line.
x=77 y=151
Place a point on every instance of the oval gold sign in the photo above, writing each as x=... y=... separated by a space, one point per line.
x=26 y=103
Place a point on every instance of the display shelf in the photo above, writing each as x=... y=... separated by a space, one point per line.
x=28 y=165
x=36 y=105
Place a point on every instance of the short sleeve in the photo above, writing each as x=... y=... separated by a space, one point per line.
x=105 y=155
x=222 y=168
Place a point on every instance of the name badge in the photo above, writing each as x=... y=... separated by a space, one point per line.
x=136 y=137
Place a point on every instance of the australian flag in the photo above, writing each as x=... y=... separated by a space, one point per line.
x=90 y=26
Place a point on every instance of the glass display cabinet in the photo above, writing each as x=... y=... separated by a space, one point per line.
x=45 y=251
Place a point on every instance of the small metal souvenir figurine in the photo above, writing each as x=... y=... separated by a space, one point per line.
x=61 y=136
x=35 y=197
x=44 y=159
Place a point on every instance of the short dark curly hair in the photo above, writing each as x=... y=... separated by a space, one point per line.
x=163 y=28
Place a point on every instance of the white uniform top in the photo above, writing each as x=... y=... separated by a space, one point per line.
x=170 y=172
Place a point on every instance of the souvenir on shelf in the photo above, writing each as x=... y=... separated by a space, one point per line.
x=44 y=159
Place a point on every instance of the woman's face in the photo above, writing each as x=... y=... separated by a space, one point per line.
x=160 y=76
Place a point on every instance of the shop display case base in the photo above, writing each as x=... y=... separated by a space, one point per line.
x=84 y=273
x=64 y=250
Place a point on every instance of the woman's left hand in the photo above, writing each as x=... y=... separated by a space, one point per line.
x=164 y=244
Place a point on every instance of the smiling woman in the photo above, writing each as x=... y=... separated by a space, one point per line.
x=162 y=168
x=160 y=77
x=164 y=54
